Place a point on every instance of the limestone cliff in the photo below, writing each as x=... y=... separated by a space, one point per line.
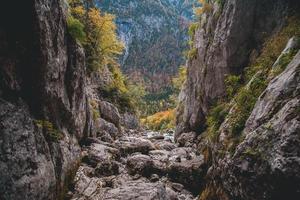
x=227 y=36
x=46 y=101
x=249 y=140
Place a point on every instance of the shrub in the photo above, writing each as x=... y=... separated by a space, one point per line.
x=245 y=94
x=192 y=53
x=50 y=132
x=192 y=29
x=232 y=83
x=95 y=109
x=283 y=63
x=215 y=118
x=76 y=29
x=205 y=8
x=161 y=120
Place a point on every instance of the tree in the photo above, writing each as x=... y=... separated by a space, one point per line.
x=102 y=45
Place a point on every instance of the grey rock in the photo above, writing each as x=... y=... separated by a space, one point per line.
x=270 y=151
x=140 y=164
x=110 y=113
x=226 y=37
x=129 y=145
x=107 y=168
x=293 y=44
x=154 y=178
x=187 y=139
x=165 y=145
x=27 y=158
x=105 y=137
x=86 y=187
x=177 y=187
x=97 y=153
x=129 y=121
x=109 y=128
x=190 y=173
x=33 y=83
x=171 y=193
x=137 y=190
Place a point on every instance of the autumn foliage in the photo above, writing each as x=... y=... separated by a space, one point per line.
x=161 y=120
x=101 y=43
x=205 y=7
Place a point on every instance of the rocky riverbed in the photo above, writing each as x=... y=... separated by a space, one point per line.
x=138 y=166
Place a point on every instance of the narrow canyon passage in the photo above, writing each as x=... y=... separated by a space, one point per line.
x=139 y=165
x=150 y=100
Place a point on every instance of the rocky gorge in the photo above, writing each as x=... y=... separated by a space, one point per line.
x=238 y=118
x=136 y=166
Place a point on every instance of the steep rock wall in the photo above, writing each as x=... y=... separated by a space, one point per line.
x=229 y=34
x=43 y=104
x=261 y=160
x=265 y=165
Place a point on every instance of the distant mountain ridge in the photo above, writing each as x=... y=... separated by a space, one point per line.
x=155 y=35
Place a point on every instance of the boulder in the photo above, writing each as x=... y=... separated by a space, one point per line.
x=164 y=145
x=110 y=113
x=187 y=139
x=190 y=173
x=105 y=137
x=102 y=128
x=86 y=187
x=107 y=168
x=129 y=121
x=97 y=153
x=137 y=190
x=140 y=164
x=160 y=161
x=129 y=145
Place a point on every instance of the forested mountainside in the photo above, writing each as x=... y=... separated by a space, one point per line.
x=68 y=125
x=155 y=36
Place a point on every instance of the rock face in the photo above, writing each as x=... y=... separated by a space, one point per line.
x=224 y=41
x=270 y=151
x=262 y=160
x=42 y=100
x=45 y=101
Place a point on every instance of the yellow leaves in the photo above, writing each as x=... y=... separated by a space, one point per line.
x=78 y=11
x=76 y=8
x=119 y=79
x=102 y=34
x=160 y=120
x=205 y=7
x=102 y=45
x=198 y=11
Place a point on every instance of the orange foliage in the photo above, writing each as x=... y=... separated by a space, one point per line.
x=161 y=120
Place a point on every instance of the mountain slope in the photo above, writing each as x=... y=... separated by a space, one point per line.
x=155 y=35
